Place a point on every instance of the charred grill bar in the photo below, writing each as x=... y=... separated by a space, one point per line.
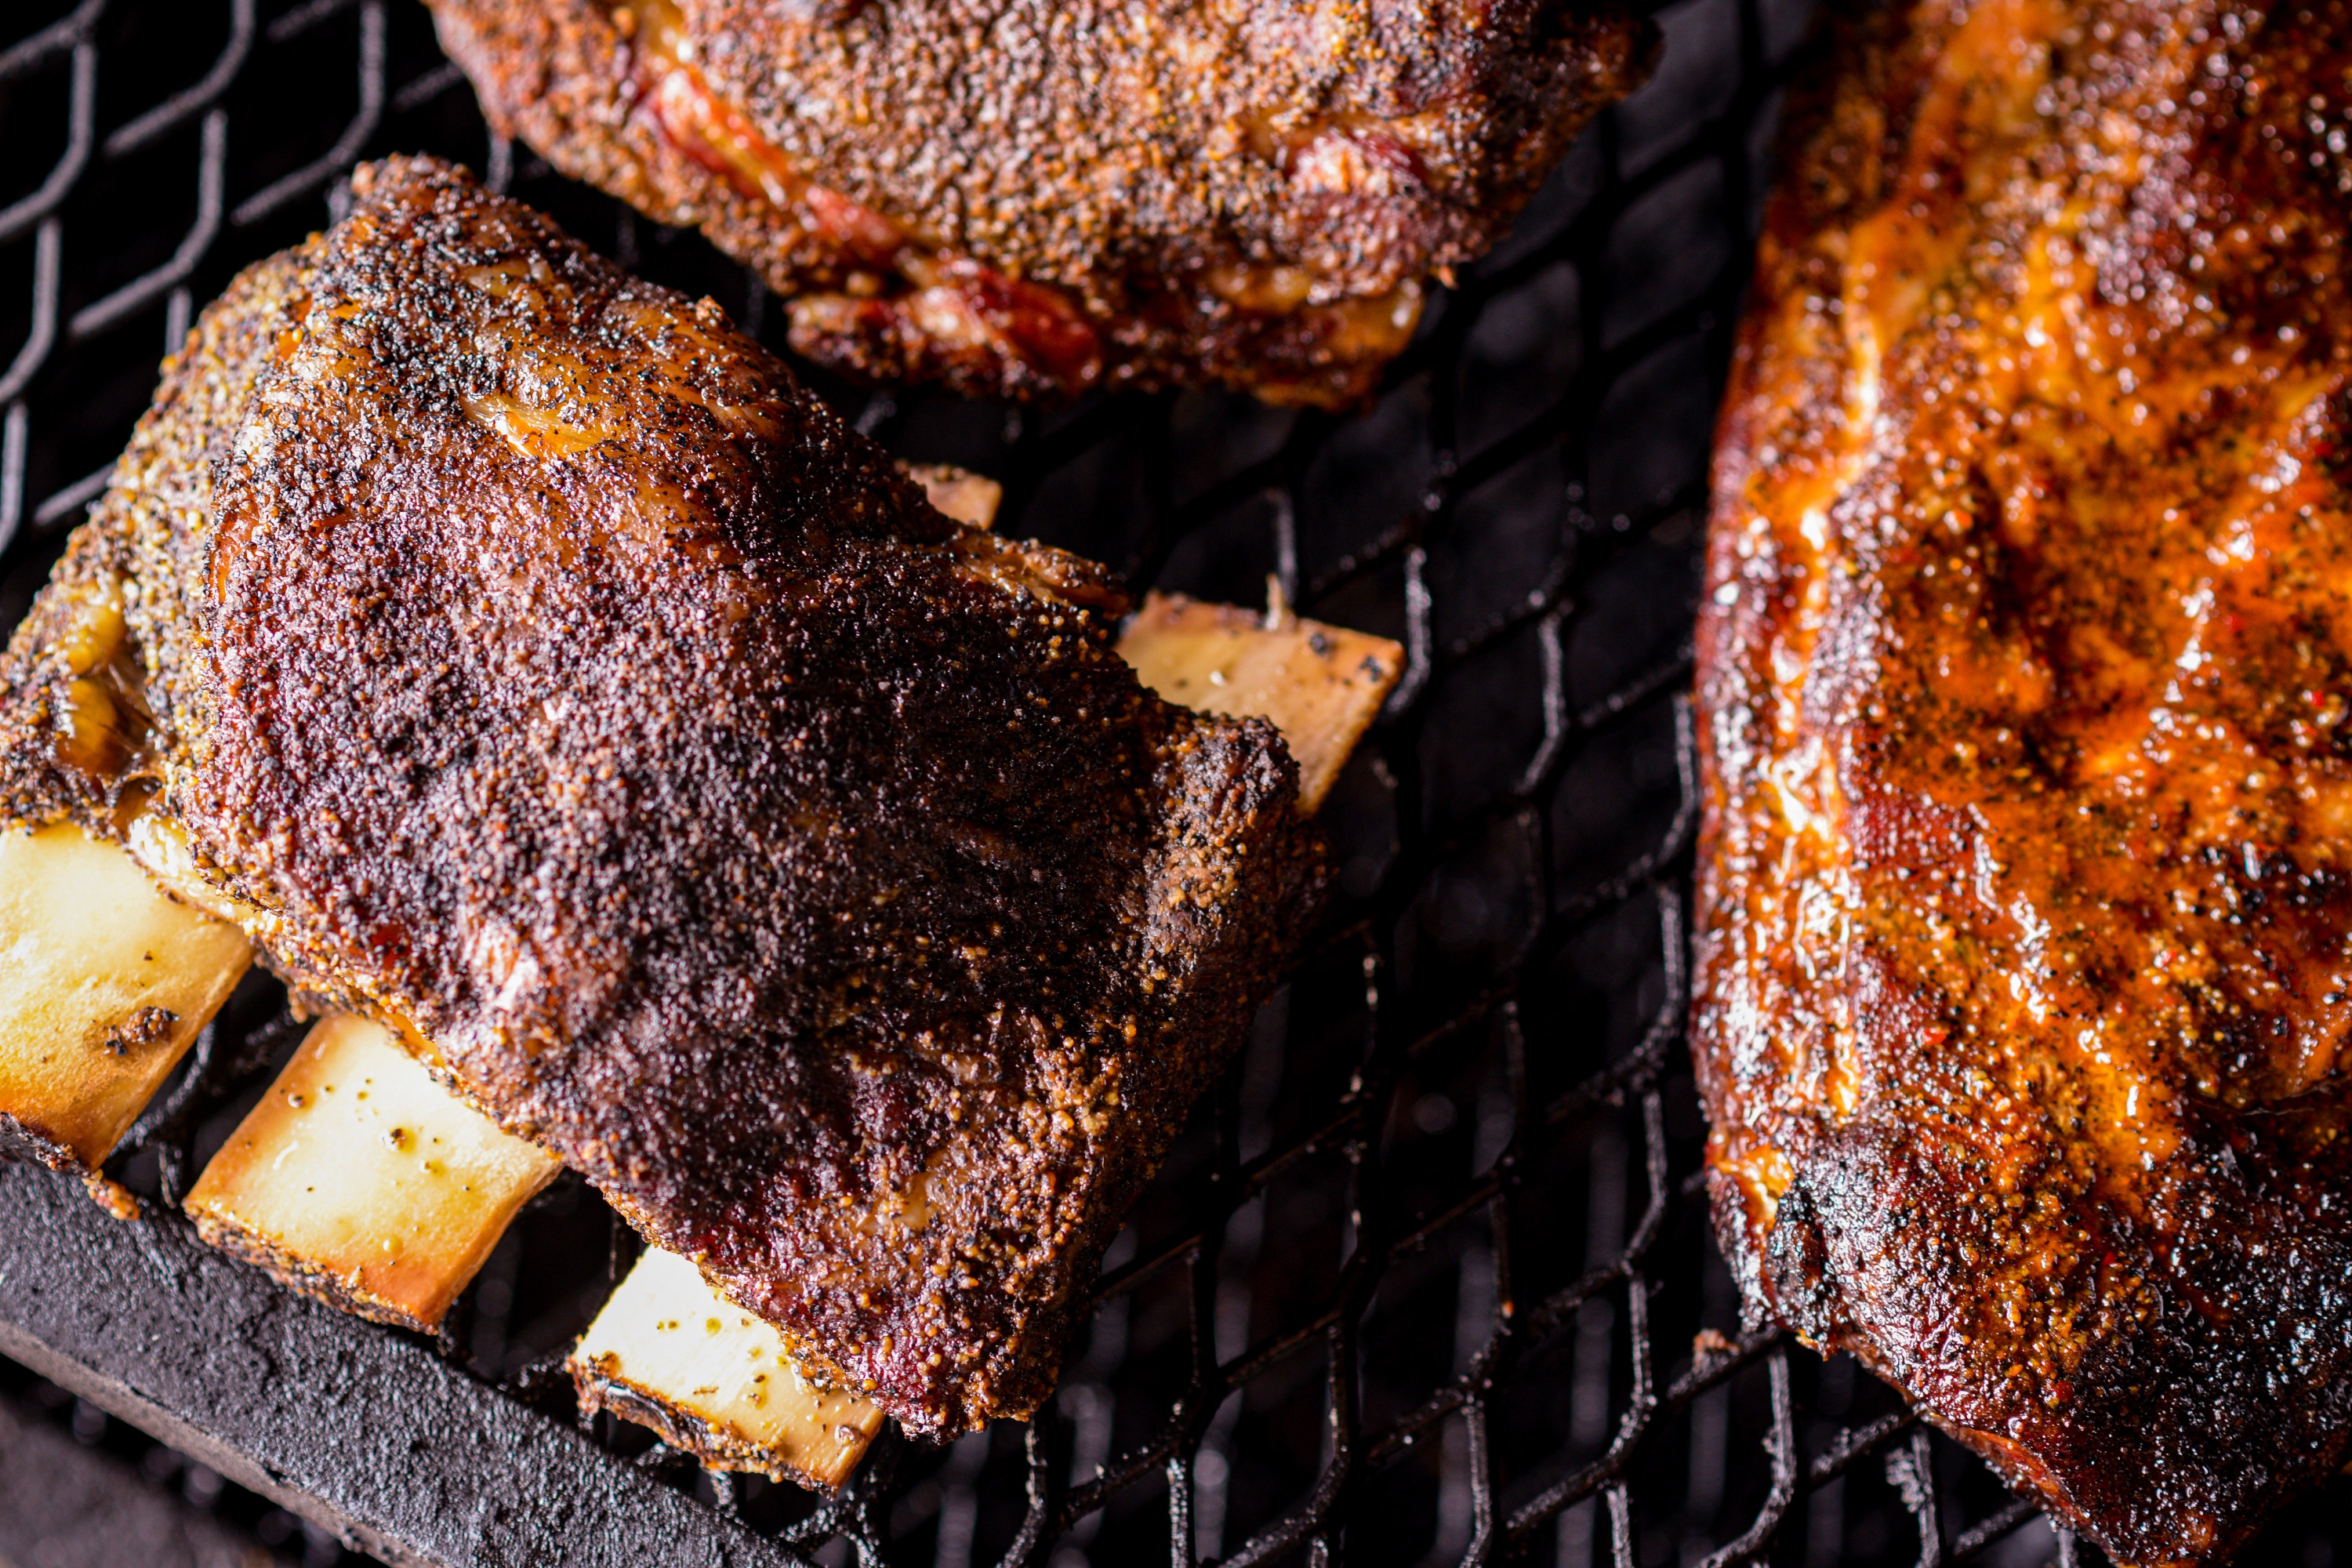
x=372 y=1434
x=1501 y=986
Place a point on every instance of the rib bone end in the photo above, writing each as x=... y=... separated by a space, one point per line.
x=670 y=1352
x=104 y=983
x=360 y=1180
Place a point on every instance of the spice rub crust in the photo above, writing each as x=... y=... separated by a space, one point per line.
x=2024 y=971
x=1034 y=197
x=533 y=663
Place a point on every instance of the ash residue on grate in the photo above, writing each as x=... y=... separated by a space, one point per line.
x=1429 y=1280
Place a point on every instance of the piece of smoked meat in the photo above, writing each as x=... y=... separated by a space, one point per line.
x=543 y=670
x=1034 y=197
x=2024 y=971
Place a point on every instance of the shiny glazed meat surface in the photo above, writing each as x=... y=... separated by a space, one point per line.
x=541 y=667
x=1032 y=197
x=2025 y=960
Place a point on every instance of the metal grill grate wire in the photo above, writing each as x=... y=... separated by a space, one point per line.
x=1430 y=1280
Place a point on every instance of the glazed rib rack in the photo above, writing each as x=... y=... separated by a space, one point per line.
x=1428 y=1281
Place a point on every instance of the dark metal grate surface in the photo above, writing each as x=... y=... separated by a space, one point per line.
x=1429 y=1281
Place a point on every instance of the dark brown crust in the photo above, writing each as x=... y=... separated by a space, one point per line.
x=808 y=870
x=2023 y=985
x=1365 y=145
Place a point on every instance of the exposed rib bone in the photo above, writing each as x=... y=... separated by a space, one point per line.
x=961 y=494
x=669 y=1352
x=104 y=983
x=360 y=1180
x=1321 y=685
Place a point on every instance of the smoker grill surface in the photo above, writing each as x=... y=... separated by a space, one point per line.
x=1457 y=1163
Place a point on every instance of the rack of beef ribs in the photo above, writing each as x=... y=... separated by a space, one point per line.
x=1027 y=198
x=2022 y=989
x=525 y=661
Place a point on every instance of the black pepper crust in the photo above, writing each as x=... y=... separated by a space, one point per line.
x=1248 y=195
x=552 y=673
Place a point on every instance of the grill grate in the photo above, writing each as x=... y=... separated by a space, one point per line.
x=1429 y=1280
